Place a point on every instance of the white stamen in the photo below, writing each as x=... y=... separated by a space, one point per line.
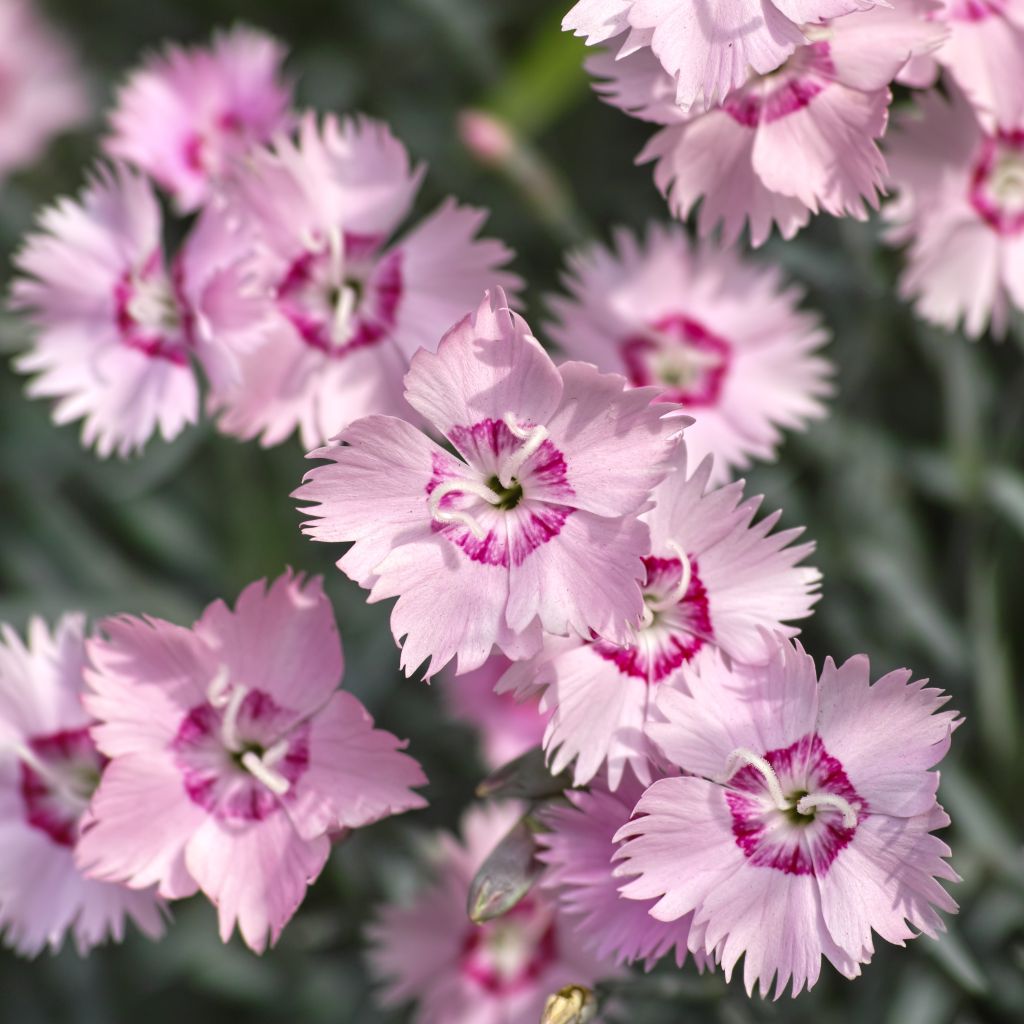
x=742 y=756
x=336 y=247
x=451 y=515
x=532 y=438
x=50 y=775
x=275 y=753
x=678 y=592
x=229 y=725
x=341 y=328
x=807 y=803
x=217 y=691
x=274 y=781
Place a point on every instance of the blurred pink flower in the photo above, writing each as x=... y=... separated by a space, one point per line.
x=493 y=545
x=350 y=304
x=507 y=727
x=462 y=973
x=787 y=145
x=713 y=49
x=722 y=335
x=42 y=92
x=960 y=206
x=714 y=578
x=188 y=115
x=236 y=730
x=806 y=822
x=577 y=851
x=116 y=327
x=49 y=767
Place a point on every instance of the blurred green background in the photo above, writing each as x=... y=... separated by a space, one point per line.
x=913 y=489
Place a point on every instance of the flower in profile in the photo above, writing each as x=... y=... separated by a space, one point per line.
x=49 y=768
x=960 y=206
x=711 y=52
x=507 y=727
x=236 y=730
x=117 y=326
x=714 y=578
x=577 y=847
x=42 y=92
x=721 y=335
x=189 y=114
x=496 y=543
x=809 y=805
x=458 y=972
x=350 y=303
x=785 y=145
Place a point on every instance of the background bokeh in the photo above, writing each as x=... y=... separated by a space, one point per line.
x=913 y=489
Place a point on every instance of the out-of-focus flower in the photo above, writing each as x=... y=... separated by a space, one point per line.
x=960 y=207
x=785 y=145
x=722 y=335
x=42 y=92
x=499 y=972
x=706 y=52
x=235 y=730
x=188 y=115
x=49 y=767
x=507 y=727
x=493 y=545
x=577 y=850
x=116 y=326
x=714 y=578
x=806 y=822
x=350 y=304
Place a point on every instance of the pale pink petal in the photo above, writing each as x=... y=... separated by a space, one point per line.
x=597 y=20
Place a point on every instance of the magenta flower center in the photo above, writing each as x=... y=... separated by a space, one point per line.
x=677 y=623
x=682 y=356
x=976 y=10
x=997 y=182
x=241 y=754
x=507 y=955
x=508 y=499
x=59 y=773
x=149 y=313
x=340 y=294
x=786 y=91
x=795 y=811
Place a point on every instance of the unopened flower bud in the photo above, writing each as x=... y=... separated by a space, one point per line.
x=573 y=1004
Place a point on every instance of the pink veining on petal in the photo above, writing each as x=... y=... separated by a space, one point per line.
x=509 y=954
x=677 y=633
x=212 y=776
x=975 y=10
x=997 y=182
x=681 y=355
x=783 y=92
x=787 y=841
x=70 y=753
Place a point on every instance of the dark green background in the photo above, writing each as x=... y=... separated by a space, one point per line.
x=913 y=488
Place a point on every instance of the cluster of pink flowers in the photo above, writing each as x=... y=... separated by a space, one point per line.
x=564 y=541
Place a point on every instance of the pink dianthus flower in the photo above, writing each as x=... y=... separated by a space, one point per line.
x=189 y=114
x=350 y=303
x=722 y=335
x=496 y=543
x=785 y=145
x=805 y=824
x=714 y=578
x=234 y=758
x=459 y=972
x=49 y=768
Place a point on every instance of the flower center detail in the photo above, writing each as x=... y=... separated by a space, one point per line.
x=149 y=315
x=682 y=356
x=506 y=955
x=505 y=502
x=338 y=295
x=768 y=98
x=240 y=753
x=676 y=622
x=59 y=773
x=793 y=809
x=997 y=182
